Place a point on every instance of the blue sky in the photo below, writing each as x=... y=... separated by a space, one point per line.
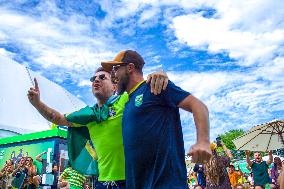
x=227 y=53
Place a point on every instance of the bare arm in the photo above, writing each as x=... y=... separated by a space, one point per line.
x=200 y=151
x=270 y=160
x=52 y=115
x=47 y=112
x=200 y=115
x=228 y=152
x=38 y=157
x=249 y=162
x=33 y=170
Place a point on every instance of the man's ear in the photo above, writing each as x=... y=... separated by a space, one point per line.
x=114 y=88
x=130 y=68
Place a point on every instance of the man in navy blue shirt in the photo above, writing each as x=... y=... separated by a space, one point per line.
x=152 y=133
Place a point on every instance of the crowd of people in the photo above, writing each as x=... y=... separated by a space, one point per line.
x=23 y=174
x=221 y=173
x=135 y=127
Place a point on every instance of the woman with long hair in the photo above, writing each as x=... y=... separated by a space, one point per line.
x=275 y=171
x=216 y=173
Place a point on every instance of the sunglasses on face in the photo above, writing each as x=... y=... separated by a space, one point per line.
x=116 y=67
x=101 y=77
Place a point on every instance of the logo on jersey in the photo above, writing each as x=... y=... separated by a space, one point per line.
x=138 y=100
x=111 y=112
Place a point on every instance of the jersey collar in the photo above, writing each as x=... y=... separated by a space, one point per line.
x=135 y=87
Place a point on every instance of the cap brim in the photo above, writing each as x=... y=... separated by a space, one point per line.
x=109 y=64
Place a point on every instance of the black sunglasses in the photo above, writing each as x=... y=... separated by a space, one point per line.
x=101 y=77
x=116 y=67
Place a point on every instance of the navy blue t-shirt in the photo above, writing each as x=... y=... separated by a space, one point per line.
x=153 y=139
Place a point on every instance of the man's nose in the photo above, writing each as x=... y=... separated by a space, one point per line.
x=97 y=80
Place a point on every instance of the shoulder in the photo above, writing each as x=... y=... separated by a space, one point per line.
x=123 y=98
x=265 y=163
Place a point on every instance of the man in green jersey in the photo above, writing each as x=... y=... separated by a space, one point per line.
x=104 y=122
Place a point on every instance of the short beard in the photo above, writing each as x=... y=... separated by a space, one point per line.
x=122 y=84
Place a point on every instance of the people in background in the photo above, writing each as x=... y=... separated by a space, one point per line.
x=234 y=176
x=70 y=178
x=216 y=173
x=31 y=172
x=275 y=171
x=259 y=169
x=199 y=169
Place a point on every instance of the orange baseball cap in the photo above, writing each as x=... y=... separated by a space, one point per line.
x=125 y=57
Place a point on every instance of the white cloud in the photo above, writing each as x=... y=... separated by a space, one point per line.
x=149 y=17
x=84 y=83
x=234 y=99
x=249 y=31
x=51 y=41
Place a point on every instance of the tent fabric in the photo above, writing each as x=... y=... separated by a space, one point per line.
x=264 y=137
x=17 y=115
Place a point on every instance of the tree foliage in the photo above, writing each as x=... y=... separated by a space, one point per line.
x=229 y=136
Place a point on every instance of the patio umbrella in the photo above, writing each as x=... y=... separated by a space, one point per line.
x=264 y=137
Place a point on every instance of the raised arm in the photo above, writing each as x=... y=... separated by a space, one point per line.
x=47 y=112
x=200 y=151
x=227 y=151
x=249 y=162
x=38 y=157
x=270 y=159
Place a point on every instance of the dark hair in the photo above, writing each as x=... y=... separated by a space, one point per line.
x=135 y=58
x=54 y=163
x=101 y=69
x=231 y=166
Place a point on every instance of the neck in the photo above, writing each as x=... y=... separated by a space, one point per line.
x=134 y=79
x=102 y=100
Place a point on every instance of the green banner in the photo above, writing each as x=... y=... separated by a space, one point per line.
x=20 y=150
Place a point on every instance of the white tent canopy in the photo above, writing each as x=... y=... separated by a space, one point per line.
x=17 y=115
